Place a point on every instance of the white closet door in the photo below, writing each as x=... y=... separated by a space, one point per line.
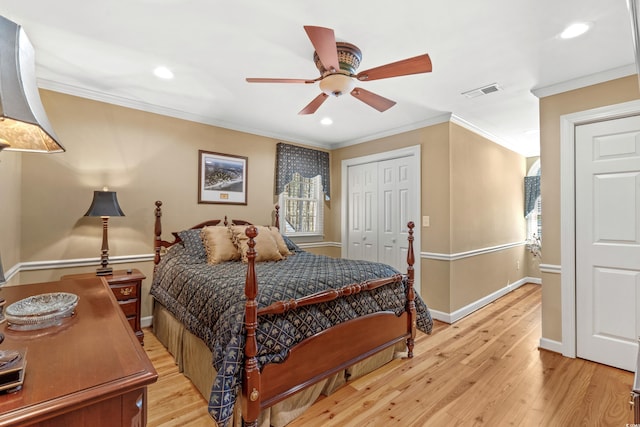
x=608 y=241
x=363 y=212
x=395 y=205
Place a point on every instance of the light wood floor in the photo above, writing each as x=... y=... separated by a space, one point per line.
x=485 y=370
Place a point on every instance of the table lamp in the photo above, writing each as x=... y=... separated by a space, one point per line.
x=24 y=125
x=105 y=205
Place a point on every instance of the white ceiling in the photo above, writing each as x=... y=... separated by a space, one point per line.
x=107 y=51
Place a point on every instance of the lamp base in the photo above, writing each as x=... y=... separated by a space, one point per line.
x=104 y=271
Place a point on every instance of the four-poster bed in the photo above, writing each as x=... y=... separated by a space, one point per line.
x=302 y=323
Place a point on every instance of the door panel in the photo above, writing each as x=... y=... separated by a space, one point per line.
x=363 y=215
x=395 y=185
x=608 y=241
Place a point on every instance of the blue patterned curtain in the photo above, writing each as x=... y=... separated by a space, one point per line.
x=305 y=161
x=531 y=193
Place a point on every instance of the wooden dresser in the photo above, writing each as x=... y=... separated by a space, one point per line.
x=89 y=371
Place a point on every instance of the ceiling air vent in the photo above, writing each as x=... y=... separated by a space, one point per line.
x=484 y=90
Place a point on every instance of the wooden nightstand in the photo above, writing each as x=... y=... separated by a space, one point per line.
x=127 y=287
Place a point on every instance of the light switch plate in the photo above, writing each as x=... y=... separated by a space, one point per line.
x=425 y=221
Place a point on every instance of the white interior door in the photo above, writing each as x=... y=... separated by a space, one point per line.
x=395 y=182
x=363 y=212
x=607 y=232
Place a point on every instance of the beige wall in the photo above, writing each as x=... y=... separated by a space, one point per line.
x=10 y=194
x=487 y=192
x=487 y=210
x=144 y=157
x=551 y=108
x=472 y=190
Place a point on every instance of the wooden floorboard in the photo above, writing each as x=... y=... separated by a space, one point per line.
x=485 y=370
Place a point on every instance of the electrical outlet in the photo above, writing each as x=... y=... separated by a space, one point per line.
x=425 y=221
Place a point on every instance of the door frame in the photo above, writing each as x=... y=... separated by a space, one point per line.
x=568 y=123
x=414 y=153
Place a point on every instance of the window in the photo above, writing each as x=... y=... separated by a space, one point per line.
x=534 y=220
x=301 y=206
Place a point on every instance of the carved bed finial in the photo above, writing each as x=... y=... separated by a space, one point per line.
x=411 y=304
x=251 y=384
x=158 y=233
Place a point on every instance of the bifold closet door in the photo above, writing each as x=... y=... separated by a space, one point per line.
x=363 y=212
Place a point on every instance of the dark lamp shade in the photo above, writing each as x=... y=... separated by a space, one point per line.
x=105 y=203
x=23 y=122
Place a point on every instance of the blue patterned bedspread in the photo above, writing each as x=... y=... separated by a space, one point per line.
x=209 y=301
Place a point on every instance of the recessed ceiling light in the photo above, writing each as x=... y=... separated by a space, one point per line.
x=326 y=121
x=163 y=73
x=575 y=30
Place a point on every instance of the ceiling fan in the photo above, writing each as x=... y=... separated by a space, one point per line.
x=338 y=62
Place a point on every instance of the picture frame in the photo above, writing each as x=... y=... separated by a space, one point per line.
x=222 y=178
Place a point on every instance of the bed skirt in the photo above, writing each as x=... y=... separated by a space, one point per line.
x=194 y=360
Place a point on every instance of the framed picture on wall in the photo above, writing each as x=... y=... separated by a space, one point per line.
x=222 y=178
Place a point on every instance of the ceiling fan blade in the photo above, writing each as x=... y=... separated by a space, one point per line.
x=378 y=102
x=416 y=65
x=324 y=42
x=267 y=80
x=315 y=104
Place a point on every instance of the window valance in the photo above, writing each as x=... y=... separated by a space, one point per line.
x=305 y=161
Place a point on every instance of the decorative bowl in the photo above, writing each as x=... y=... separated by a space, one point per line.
x=40 y=311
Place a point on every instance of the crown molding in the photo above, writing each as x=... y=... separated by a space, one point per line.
x=183 y=115
x=442 y=118
x=487 y=135
x=164 y=111
x=589 y=80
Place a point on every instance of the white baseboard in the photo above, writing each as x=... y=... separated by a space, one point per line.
x=551 y=345
x=146 y=321
x=476 y=305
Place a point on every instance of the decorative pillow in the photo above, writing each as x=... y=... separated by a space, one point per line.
x=266 y=247
x=282 y=246
x=290 y=245
x=219 y=245
x=192 y=243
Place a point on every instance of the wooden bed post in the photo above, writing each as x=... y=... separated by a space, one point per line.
x=411 y=305
x=158 y=233
x=251 y=386
x=277 y=219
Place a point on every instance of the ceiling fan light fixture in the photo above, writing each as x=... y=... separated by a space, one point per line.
x=337 y=84
x=349 y=57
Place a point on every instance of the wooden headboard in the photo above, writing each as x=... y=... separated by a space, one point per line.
x=158 y=243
